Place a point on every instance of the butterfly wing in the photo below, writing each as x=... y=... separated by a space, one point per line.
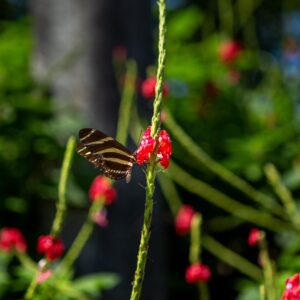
x=104 y=152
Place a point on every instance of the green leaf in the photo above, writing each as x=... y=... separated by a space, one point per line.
x=185 y=24
x=94 y=283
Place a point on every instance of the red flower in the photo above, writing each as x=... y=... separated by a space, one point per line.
x=50 y=247
x=148 y=88
x=101 y=187
x=147 y=146
x=229 y=51
x=197 y=272
x=292 y=288
x=183 y=220
x=12 y=239
x=254 y=236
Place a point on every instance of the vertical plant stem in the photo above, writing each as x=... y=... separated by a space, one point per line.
x=269 y=276
x=61 y=203
x=60 y=206
x=226 y=16
x=195 y=244
x=262 y=292
x=145 y=236
x=203 y=291
x=155 y=123
x=150 y=172
x=126 y=101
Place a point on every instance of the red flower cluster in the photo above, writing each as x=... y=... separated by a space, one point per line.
x=147 y=146
x=101 y=188
x=50 y=247
x=12 y=239
x=292 y=288
x=254 y=236
x=197 y=272
x=229 y=51
x=183 y=219
x=148 y=88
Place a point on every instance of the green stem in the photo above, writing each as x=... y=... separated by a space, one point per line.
x=269 y=276
x=32 y=287
x=197 y=152
x=145 y=236
x=195 y=244
x=150 y=172
x=60 y=206
x=126 y=102
x=203 y=291
x=283 y=193
x=81 y=237
x=155 y=123
x=262 y=292
x=223 y=201
x=231 y=258
x=62 y=203
x=226 y=16
x=26 y=261
x=214 y=247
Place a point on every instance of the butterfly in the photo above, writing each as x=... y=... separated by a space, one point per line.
x=106 y=153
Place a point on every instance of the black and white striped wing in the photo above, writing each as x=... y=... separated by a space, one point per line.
x=104 y=152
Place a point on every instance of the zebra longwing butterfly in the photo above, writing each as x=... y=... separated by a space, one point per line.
x=105 y=153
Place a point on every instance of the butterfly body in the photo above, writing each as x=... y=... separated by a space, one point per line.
x=106 y=153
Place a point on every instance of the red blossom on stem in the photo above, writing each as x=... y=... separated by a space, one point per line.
x=292 y=288
x=147 y=146
x=12 y=239
x=197 y=272
x=52 y=248
x=148 y=88
x=229 y=51
x=183 y=221
x=101 y=187
x=254 y=236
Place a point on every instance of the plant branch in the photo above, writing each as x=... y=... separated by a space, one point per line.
x=150 y=172
x=62 y=203
x=223 y=201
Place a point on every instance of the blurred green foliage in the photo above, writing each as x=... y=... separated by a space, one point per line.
x=244 y=123
x=28 y=152
x=244 y=115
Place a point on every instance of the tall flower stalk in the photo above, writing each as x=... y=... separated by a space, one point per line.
x=150 y=172
x=61 y=206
